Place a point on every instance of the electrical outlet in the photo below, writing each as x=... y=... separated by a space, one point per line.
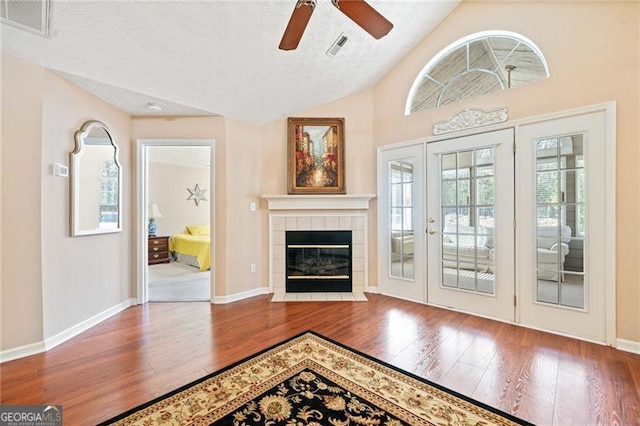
x=253 y=267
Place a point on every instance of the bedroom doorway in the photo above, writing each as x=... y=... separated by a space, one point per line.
x=175 y=205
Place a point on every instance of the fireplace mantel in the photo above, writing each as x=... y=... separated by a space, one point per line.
x=318 y=202
x=318 y=212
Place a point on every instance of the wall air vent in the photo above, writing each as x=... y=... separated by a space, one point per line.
x=32 y=16
x=337 y=45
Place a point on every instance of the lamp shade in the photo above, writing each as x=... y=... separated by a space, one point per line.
x=154 y=211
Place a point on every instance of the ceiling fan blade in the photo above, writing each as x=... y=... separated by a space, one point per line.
x=360 y=12
x=297 y=24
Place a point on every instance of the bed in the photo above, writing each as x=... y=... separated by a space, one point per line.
x=192 y=247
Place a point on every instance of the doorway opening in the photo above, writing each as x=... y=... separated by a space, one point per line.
x=175 y=204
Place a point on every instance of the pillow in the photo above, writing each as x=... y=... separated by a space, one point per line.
x=199 y=229
x=467 y=235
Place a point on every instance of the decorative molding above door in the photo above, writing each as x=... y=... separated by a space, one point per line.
x=470 y=118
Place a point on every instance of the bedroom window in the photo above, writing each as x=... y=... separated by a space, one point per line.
x=475 y=65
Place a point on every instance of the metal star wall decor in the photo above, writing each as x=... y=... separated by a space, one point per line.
x=197 y=194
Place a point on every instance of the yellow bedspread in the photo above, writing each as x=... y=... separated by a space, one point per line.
x=193 y=245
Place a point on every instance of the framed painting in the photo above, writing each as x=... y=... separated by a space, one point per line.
x=316 y=156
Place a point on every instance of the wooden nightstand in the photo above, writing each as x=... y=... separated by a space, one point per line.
x=158 y=250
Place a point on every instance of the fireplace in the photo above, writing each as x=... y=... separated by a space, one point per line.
x=318 y=261
x=317 y=212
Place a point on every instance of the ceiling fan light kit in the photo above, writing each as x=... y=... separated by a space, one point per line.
x=359 y=11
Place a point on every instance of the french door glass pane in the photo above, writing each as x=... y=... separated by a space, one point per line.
x=401 y=212
x=464 y=192
x=467 y=209
x=560 y=235
x=449 y=189
x=395 y=194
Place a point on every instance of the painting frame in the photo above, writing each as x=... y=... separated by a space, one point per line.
x=315 y=159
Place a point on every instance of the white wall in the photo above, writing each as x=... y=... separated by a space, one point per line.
x=168 y=189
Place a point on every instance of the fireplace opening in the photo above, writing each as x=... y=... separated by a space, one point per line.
x=318 y=261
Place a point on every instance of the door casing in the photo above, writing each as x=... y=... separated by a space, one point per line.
x=141 y=208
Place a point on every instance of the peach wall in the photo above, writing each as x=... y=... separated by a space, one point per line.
x=588 y=48
x=21 y=268
x=360 y=159
x=638 y=121
x=81 y=276
x=195 y=128
x=593 y=57
x=244 y=158
x=237 y=171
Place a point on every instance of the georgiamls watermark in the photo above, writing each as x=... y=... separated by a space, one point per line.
x=30 y=415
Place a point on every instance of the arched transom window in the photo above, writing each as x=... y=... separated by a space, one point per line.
x=475 y=65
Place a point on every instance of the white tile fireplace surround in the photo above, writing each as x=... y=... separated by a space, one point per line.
x=317 y=213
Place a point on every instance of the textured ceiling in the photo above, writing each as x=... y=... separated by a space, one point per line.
x=218 y=57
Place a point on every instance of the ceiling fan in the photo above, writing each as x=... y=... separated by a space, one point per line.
x=359 y=11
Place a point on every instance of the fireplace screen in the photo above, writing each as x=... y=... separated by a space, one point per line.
x=318 y=261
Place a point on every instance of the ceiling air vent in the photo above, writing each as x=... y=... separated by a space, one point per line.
x=337 y=45
x=32 y=16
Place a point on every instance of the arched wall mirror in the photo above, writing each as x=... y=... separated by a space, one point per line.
x=475 y=65
x=96 y=182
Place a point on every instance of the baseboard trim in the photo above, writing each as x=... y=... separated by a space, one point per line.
x=628 y=346
x=74 y=330
x=240 y=296
x=21 y=351
x=63 y=336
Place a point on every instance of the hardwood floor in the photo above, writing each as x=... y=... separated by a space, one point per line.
x=146 y=351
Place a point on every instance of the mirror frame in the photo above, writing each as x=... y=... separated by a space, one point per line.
x=74 y=162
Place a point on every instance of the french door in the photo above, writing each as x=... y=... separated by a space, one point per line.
x=401 y=223
x=470 y=231
x=526 y=238
x=564 y=247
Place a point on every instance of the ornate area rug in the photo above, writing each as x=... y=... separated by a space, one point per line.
x=311 y=380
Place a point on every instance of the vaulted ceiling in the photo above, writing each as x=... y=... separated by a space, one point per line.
x=218 y=57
